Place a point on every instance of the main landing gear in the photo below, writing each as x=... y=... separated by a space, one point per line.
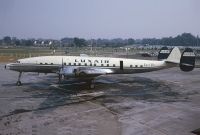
x=60 y=78
x=18 y=81
x=92 y=84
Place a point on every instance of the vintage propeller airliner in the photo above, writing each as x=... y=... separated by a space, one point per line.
x=91 y=67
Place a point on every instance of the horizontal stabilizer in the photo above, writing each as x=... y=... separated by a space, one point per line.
x=185 y=64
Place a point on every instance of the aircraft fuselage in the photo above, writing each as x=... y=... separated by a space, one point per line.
x=50 y=64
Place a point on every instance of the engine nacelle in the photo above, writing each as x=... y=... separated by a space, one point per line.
x=187 y=61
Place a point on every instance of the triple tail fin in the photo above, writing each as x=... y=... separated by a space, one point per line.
x=186 y=60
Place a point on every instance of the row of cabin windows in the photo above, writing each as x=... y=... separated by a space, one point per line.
x=136 y=66
x=79 y=64
x=46 y=63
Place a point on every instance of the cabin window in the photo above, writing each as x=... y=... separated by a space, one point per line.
x=74 y=64
x=79 y=64
x=141 y=65
x=91 y=64
x=94 y=64
x=64 y=63
x=40 y=63
x=69 y=64
x=102 y=65
x=107 y=65
x=106 y=61
x=51 y=63
x=85 y=64
x=113 y=65
x=136 y=66
x=45 y=63
x=131 y=66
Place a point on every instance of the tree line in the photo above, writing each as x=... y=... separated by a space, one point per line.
x=185 y=39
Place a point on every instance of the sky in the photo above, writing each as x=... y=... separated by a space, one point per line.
x=56 y=19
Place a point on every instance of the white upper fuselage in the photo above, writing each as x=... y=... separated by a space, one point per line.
x=92 y=61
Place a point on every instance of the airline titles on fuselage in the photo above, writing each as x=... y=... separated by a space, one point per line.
x=91 y=61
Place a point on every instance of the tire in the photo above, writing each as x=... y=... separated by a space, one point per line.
x=18 y=83
x=92 y=86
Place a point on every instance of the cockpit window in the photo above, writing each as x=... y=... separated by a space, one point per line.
x=17 y=61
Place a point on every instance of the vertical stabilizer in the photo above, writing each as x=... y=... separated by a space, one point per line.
x=187 y=62
x=174 y=56
x=163 y=53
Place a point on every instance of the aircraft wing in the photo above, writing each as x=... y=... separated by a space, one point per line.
x=85 y=71
x=96 y=70
x=66 y=70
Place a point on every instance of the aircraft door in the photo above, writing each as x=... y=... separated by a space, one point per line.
x=121 y=65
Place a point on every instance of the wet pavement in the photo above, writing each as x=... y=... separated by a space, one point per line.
x=165 y=102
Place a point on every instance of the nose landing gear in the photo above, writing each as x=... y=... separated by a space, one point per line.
x=18 y=83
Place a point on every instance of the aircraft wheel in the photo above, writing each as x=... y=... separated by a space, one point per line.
x=18 y=83
x=92 y=86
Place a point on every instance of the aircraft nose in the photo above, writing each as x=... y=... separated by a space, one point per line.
x=7 y=66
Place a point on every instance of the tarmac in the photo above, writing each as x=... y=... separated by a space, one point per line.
x=165 y=102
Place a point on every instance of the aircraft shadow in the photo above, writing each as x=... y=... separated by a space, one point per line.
x=134 y=88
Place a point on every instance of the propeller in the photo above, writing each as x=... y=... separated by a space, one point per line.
x=62 y=66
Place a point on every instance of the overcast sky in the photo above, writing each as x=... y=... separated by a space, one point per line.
x=98 y=18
